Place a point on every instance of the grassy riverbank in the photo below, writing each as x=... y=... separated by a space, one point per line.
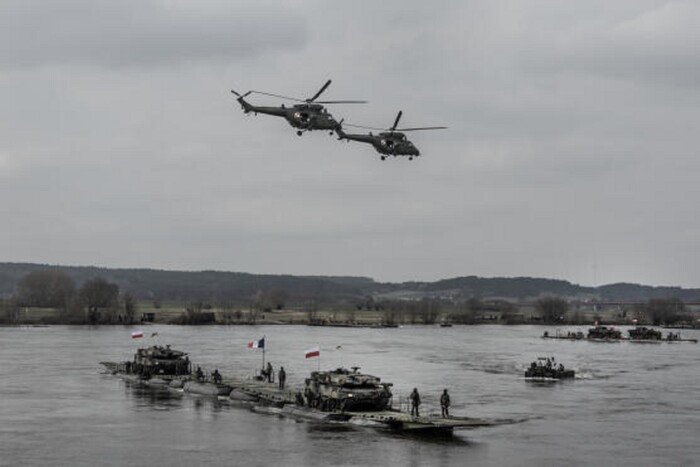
x=186 y=314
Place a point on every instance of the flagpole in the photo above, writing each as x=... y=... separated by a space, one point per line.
x=264 y=345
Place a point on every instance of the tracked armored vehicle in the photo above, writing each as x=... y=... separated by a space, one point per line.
x=344 y=389
x=645 y=334
x=604 y=333
x=155 y=362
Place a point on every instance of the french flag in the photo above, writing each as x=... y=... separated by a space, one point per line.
x=137 y=334
x=313 y=352
x=259 y=344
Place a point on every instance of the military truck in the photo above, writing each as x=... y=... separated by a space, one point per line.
x=344 y=389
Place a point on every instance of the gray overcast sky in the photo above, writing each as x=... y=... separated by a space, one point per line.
x=572 y=150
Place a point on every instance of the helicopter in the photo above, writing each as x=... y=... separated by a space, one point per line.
x=309 y=115
x=390 y=142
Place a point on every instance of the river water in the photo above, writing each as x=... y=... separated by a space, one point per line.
x=631 y=404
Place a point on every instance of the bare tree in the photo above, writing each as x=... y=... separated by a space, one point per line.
x=311 y=310
x=10 y=312
x=226 y=312
x=664 y=310
x=552 y=309
x=351 y=316
x=429 y=310
x=51 y=288
x=129 y=303
x=98 y=294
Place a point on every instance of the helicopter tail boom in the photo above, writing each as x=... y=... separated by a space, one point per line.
x=339 y=130
x=247 y=107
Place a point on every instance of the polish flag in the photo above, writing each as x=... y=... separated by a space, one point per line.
x=137 y=334
x=313 y=352
x=259 y=344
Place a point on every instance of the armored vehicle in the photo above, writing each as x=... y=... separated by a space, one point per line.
x=604 y=333
x=344 y=389
x=644 y=333
x=548 y=370
x=156 y=361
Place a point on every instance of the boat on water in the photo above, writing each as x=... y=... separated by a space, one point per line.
x=644 y=334
x=546 y=369
x=571 y=336
x=352 y=325
x=597 y=334
x=640 y=334
x=161 y=366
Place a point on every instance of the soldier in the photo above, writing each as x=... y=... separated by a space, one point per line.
x=216 y=376
x=445 y=404
x=270 y=372
x=199 y=373
x=282 y=377
x=415 y=402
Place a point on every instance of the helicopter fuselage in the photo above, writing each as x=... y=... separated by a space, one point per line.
x=389 y=143
x=305 y=117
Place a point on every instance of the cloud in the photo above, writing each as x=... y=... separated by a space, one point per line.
x=571 y=140
x=651 y=42
x=143 y=33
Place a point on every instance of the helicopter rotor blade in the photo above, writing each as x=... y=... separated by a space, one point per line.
x=241 y=96
x=320 y=91
x=365 y=127
x=278 y=95
x=421 y=128
x=341 y=102
x=396 y=122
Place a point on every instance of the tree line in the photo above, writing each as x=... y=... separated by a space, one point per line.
x=96 y=301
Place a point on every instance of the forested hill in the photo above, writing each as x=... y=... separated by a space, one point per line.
x=243 y=287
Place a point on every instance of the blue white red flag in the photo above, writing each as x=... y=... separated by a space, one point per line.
x=259 y=344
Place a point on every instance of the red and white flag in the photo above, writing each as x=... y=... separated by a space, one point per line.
x=137 y=334
x=313 y=352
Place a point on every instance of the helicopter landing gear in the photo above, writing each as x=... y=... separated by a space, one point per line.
x=299 y=132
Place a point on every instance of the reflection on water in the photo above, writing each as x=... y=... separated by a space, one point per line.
x=58 y=408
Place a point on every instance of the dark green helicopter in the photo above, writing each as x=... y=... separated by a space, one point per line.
x=390 y=142
x=307 y=116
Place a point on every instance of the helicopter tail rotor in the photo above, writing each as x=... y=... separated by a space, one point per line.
x=241 y=100
x=339 y=129
x=240 y=96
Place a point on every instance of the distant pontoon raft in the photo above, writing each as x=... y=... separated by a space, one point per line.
x=610 y=334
